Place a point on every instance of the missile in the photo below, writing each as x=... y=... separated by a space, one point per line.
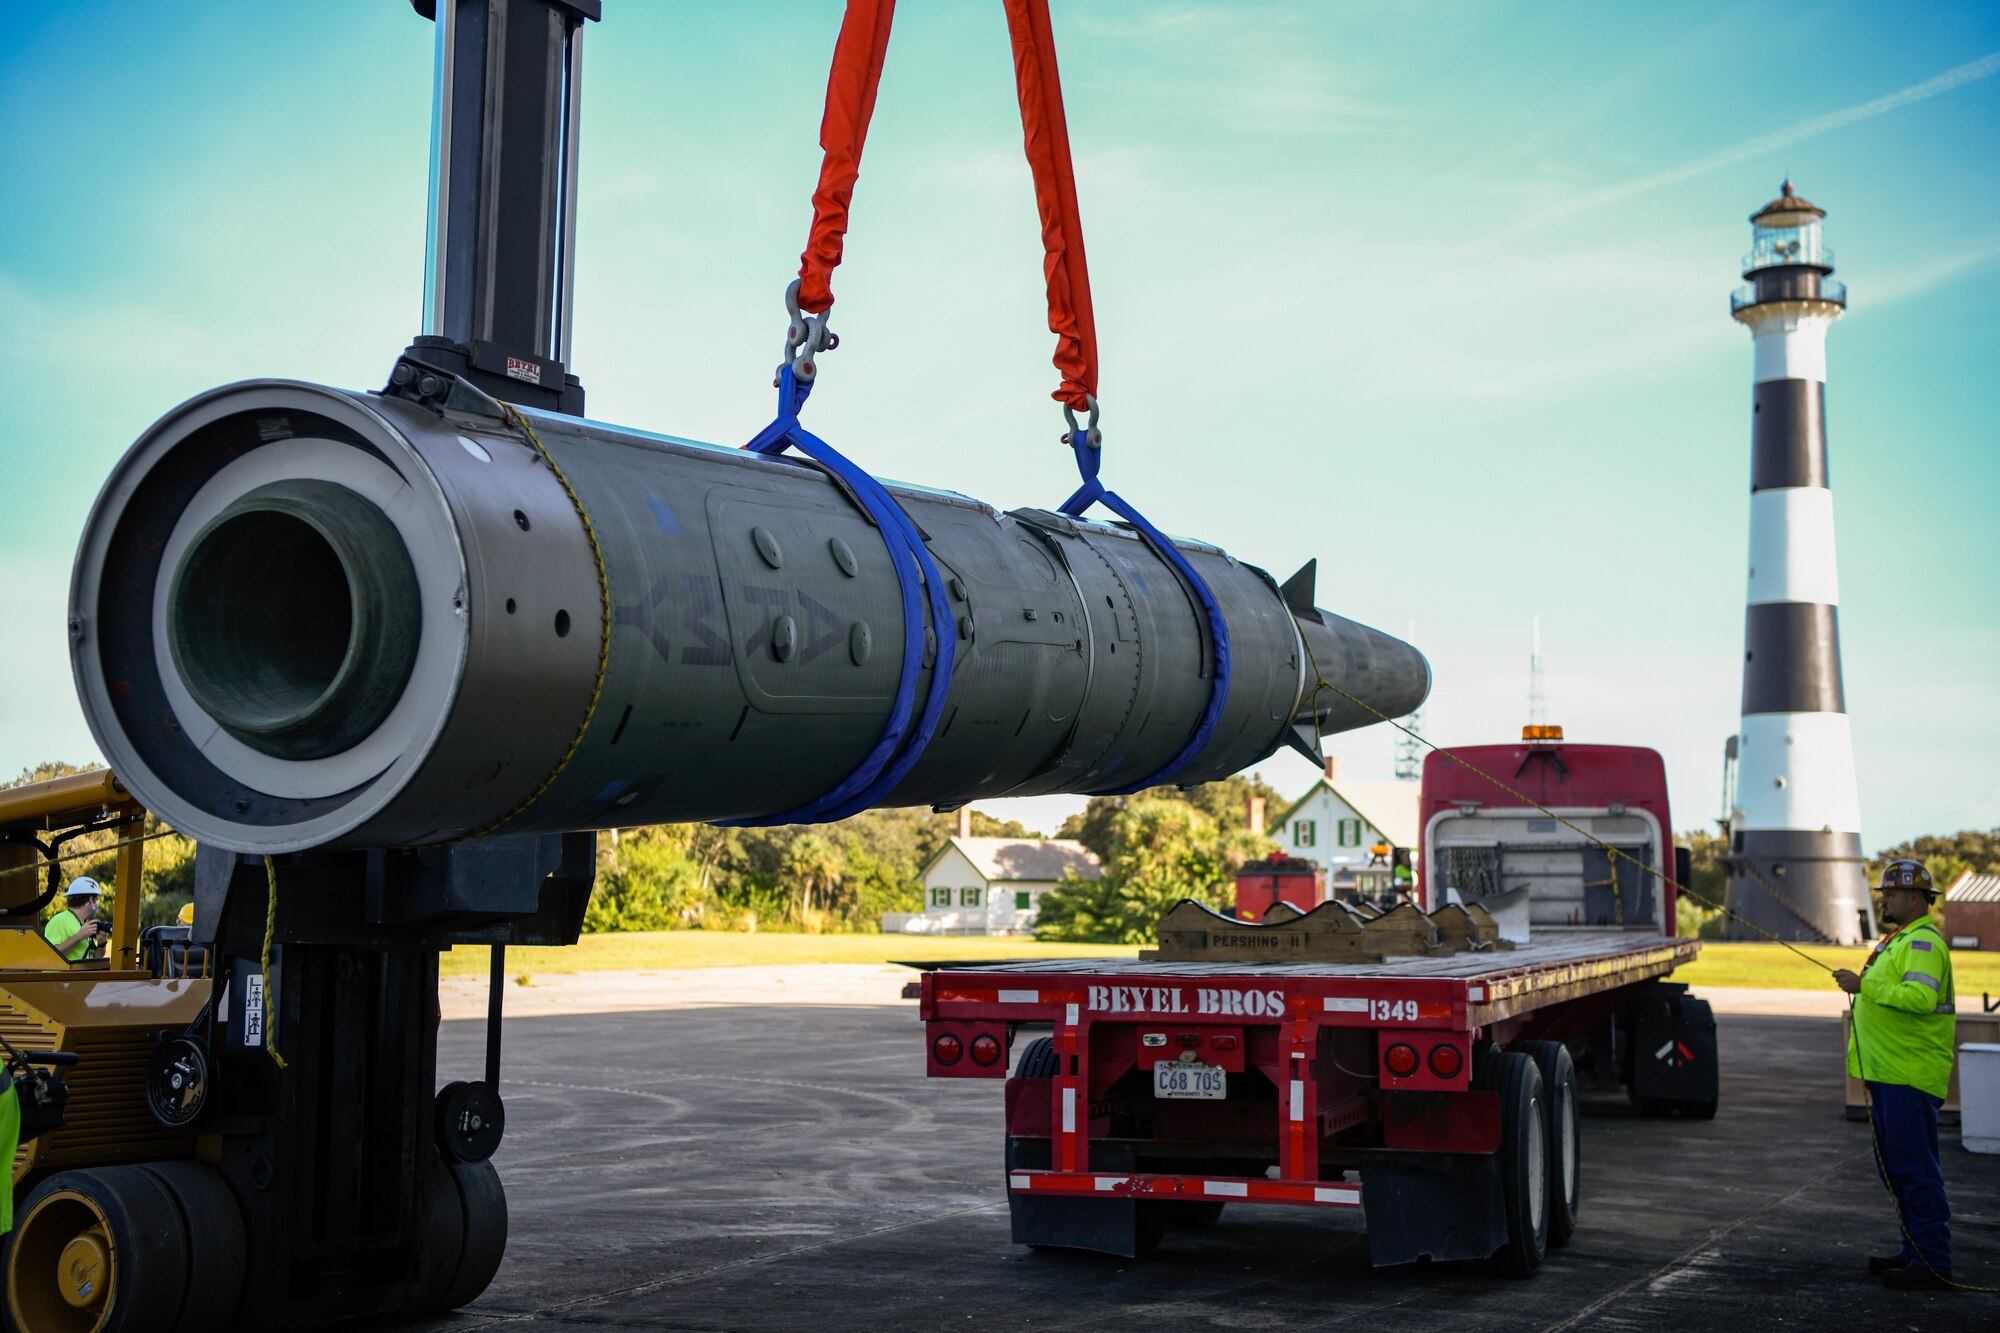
x=309 y=617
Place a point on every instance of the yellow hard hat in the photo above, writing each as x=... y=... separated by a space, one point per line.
x=187 y=914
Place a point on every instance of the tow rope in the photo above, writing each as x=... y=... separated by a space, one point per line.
x=1875 y=1131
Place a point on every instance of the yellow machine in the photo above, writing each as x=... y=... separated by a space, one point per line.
x=106 y=1201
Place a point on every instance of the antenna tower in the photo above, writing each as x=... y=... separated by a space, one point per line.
x=1538 y=703
x=1409 y=754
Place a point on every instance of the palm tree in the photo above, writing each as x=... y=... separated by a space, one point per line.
x=813 y=861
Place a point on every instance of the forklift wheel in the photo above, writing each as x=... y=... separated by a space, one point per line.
x=97 y=1251
x=217 y=1246
x=483 y=1208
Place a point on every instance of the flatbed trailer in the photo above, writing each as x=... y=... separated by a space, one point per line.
x=1438 y=1093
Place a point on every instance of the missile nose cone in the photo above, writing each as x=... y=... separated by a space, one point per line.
x=292 y=618
x=1364 y=676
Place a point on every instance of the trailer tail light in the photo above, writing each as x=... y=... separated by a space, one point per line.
x=1223 y=1041
x=1445 y=1059
x=1401 y=1059
x=950 y=1040
x=1189 y=1039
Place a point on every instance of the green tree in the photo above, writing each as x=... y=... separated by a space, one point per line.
x=166 y=879
x=1160 y=852
x=646 y=880
x=813 y=861
x=1225 y=802
x=1708 y=882
x=1946 y=857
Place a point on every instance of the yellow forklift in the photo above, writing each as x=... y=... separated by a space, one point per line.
x=178 y=1174
x=108 y=1193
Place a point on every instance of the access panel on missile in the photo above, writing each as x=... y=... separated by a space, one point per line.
x=308 y=617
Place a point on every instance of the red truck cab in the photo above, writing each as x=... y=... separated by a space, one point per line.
x=1540 y=872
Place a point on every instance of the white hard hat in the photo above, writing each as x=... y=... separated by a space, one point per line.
x=83 y=886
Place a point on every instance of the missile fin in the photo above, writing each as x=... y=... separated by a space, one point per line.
x=1301 y=736
x=1298 y=592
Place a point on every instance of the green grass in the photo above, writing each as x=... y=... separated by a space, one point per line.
x=1760 y=965
x=641 y=951
x=1778 y=968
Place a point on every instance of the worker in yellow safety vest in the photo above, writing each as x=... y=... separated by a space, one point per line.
x=10 y=1141
x=1900 y=1046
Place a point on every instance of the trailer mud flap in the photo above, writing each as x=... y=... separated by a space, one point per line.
x=1673 y=1047
x=1126 y=1227
x=1442 y=1206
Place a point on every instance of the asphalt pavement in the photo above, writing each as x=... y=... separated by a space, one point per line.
x=769 y=1166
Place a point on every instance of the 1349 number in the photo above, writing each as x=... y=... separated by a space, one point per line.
x=1392 y=1011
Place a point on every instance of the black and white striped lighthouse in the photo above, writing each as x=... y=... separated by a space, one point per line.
x=1796 y=823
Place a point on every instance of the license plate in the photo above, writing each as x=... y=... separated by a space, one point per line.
x=1171 y=1078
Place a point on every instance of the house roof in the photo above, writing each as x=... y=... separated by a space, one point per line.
x=1033 y=859
x=1390 y=807
x=1971 y=888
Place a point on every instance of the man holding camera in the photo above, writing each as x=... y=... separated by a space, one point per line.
x=75 y=930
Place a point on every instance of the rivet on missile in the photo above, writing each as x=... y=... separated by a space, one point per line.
x=957 y=589
x=965 y=627
x=843 y=555
x=1027 y=613
x=859 y=643
x=767 y=546
x=784 y=637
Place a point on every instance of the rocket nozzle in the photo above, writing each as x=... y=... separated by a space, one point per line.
x=292 y=618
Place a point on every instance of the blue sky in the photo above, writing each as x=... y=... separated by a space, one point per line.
x=1435 y=293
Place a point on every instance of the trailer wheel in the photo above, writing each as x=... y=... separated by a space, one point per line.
x=1559 y=1088
x=1038 y=1059
x=217 y=1247
x=97 y=1251
x=1524 y=1159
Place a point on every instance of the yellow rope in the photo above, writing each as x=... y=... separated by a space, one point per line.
x=1320 y=682
x=270 y=930
x=89 y=853
x=604 y=634
x=1875 y=1140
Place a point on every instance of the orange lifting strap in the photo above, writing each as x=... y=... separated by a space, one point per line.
x=843 y=129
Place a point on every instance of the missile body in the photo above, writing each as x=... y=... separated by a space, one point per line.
x=307 y=617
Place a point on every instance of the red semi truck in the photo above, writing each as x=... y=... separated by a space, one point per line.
x=1439 y=1093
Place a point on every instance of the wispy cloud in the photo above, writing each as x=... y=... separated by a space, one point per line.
x=1916 y=280
x=1970 y=72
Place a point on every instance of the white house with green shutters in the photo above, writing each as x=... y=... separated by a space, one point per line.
x=1344 y=826
x=991 y=886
